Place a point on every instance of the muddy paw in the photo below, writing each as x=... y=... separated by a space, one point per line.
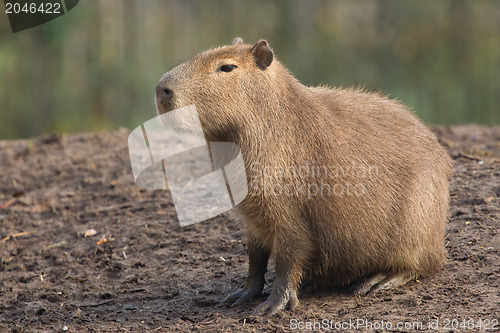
x=277 y=302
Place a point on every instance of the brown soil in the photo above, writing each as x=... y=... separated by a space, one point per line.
x=142 y=272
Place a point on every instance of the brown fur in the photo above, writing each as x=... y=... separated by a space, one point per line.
x=396 y=226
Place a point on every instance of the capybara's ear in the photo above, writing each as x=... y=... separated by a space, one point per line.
x=262 y=54
x=237 y=40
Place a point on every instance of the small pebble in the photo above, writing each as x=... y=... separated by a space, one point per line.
x=130 y=307
x=90 y=232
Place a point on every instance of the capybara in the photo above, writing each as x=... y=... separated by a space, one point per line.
x=346 y=187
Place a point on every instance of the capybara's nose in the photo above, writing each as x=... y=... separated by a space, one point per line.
x=164 y=93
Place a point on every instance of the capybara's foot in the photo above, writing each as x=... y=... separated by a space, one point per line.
x=247 y=293
x=277 y=301
x=255 y=280
x=383 y=281
x=364 y=287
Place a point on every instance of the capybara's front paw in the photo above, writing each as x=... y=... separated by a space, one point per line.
x=277 y=301
x=245 y=294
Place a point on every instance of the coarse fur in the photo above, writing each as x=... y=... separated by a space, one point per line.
x=395 y=225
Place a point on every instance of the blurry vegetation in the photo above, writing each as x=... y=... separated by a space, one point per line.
x=96 y=67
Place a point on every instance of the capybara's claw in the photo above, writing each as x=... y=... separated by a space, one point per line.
x=243 y=295
x=233 y=297
x=248 y=295
x=277 y=302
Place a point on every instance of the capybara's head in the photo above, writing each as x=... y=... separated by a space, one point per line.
x=228 y=85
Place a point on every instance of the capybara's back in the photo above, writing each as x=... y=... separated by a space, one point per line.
x=345 y=186
x=391 y=218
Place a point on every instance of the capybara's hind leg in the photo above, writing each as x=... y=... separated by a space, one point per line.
x=393 y=281
x=364 y=287
x=382 y=281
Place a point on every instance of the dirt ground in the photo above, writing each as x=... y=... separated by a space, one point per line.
x=142 y=272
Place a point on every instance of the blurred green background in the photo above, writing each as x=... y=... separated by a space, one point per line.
x=96 y=67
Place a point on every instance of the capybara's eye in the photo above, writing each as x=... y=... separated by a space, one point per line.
x=227 y=68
